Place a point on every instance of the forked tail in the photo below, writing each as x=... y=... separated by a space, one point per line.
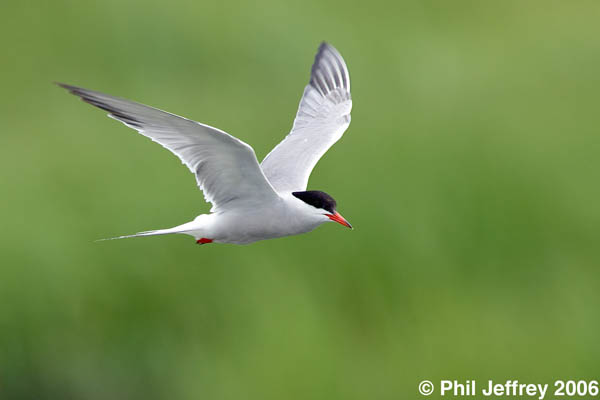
x=189 y=228
x=145 y=233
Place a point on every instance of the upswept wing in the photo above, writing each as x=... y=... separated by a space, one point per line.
x=226 y=168
x=322 y=118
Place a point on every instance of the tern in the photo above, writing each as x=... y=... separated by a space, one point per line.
x=250 y=201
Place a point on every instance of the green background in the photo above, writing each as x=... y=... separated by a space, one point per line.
x=470 y=172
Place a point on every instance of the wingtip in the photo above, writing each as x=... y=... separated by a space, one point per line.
x=70 y=88
x=326 y=46
x=329 y=70
x=63 y=85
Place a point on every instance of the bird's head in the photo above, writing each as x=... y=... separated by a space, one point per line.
x=322 y=204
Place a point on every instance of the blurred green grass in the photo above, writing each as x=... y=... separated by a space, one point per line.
x=470 y=171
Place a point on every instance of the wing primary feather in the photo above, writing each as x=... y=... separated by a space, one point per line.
x=323 y=116
x=226 y=168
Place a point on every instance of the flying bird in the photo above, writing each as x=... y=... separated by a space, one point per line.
x=250 y=201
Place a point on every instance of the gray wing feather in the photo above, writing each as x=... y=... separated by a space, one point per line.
x=226 y=168
x=322 y=118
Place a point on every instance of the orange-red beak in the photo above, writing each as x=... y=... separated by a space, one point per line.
x=337 y=217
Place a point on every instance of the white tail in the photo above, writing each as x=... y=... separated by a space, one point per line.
x=145 y=233
x=189 y=228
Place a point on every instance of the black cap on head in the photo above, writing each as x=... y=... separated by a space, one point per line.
x=317 y=199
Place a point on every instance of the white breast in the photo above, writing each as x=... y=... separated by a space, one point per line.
x=285 y=217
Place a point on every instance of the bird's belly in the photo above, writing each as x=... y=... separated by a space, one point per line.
x=245 y=229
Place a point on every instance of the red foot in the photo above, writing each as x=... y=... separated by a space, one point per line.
x=204 y=241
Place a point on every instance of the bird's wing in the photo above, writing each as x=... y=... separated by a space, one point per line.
x=226 y=168
x=322 y=118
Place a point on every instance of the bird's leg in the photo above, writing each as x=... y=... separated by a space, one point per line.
x=204 y=241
